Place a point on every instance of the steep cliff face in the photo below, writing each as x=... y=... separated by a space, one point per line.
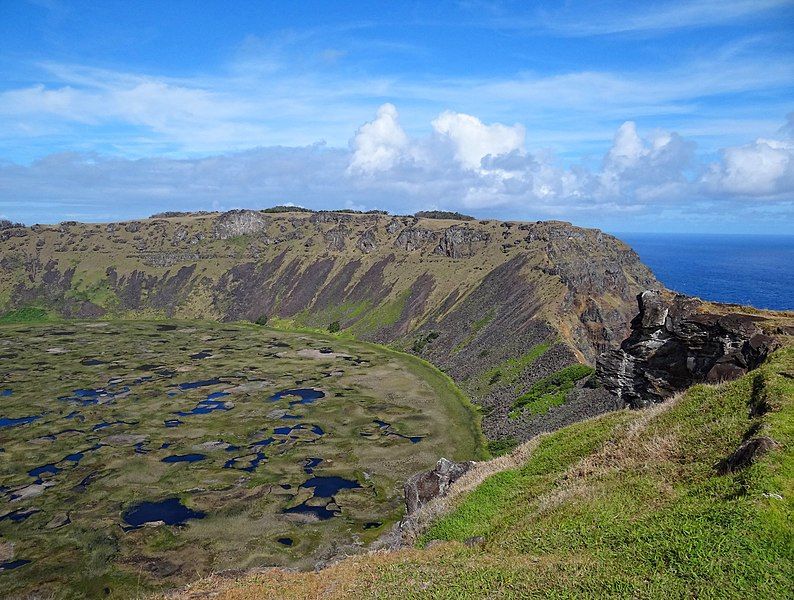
x=677 y=341
x=470 y=296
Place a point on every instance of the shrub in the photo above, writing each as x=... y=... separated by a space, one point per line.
x=422 y=341
x=334 y=327
x=261 y=320
x=283 y=209
x=443 y=214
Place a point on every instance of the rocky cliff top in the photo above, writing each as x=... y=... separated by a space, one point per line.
x=677 y=341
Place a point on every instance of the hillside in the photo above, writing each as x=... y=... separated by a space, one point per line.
x=497 y=305
x=673 y=501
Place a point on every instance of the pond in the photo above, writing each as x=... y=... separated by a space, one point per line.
x=189 y=458
x=8 y=422
x=170 y=511
x=305 y=395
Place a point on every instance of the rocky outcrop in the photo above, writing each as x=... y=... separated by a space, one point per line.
x=335 y=238
x=238 y=222
x=6 y=224
x=677 y=341
x=460 y=241
x=414 y=238
x=423 y=487
x=368 y=242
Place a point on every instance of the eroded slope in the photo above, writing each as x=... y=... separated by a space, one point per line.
x=474 y=297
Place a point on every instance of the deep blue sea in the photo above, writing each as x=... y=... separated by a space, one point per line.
x=746 y=269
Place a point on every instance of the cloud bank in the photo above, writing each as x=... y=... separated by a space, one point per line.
x=461 y=163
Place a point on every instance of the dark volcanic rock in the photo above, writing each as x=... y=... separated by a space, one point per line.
x=676 y=343
x=423 y=487
x=746 y=454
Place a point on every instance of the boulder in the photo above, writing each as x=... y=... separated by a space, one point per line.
x=59 y=520
x=746 y=454
x=423 y=487
x=335 y=238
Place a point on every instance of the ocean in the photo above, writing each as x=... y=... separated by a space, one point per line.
x=746 y=269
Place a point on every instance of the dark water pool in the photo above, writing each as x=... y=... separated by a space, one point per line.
x=207 y=406
x=323 y=513
x=92 y=362
x=9 y=422
x=191 y=385
x=190 y=458
x=308 y=466
x=13 y=564
x=239 y=462
x=388 y=429
x=171 y=511
x=304 y=395
x=326 y=487
x=39 y=471
x=19 y=515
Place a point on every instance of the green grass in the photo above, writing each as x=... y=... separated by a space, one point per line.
x=653 y=518
x=381 y=316
x=97 y=292
x=626 y=505
x=484 y=508
x=29 y=314
x=551 y=390
x=506 y=372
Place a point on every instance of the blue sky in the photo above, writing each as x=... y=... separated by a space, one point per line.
x=629 y=116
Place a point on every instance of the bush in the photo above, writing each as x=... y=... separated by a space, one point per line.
x=261 y=320
x=284 y=209
x=420 y=342
x=443 y=214
x=334 y=327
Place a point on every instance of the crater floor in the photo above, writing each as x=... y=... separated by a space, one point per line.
x=141 y=455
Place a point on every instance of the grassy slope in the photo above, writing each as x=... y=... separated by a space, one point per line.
x=625 y=505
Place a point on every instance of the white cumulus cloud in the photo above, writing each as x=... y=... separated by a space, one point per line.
x=762 y=168
x=378 y=144
x=473 y=140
